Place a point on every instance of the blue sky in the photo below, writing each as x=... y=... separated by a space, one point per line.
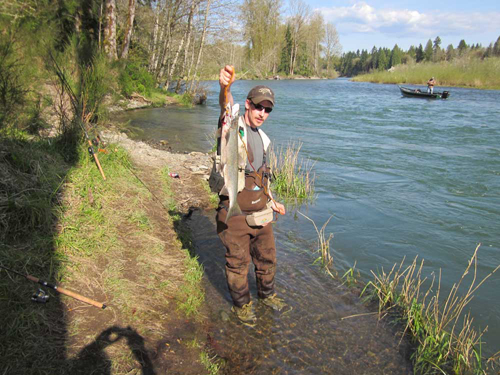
x=366 y=23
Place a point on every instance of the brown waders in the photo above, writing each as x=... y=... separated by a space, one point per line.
x=245 y=244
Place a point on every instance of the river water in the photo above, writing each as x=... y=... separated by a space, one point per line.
x=402 y=177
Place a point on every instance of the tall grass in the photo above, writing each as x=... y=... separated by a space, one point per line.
x=445 y=340
x=461 y=72
x=293 y=177
x=325 y=256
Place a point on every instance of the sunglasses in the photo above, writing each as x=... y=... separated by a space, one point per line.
x=260 y=107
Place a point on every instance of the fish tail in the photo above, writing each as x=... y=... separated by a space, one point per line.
x=233 y=211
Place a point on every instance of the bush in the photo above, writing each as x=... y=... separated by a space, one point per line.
x=135 y=78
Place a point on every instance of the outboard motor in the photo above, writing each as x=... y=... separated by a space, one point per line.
x=445 y=94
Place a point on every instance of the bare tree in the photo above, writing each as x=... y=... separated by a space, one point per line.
x=315 y=35
x=261 y=19
x=332 y=44
x=110 y=30
x=300 y=13
x=129 y=29
x=202 y=43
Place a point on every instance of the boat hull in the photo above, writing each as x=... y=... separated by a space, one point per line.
x=412 y=93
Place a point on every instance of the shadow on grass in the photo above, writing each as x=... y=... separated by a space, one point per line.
x=93 y=359
x=35 y=336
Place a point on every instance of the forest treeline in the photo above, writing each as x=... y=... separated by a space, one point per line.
x=379 y=59
x=94 y=49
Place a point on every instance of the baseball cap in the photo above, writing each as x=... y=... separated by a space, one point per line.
x=260 y=93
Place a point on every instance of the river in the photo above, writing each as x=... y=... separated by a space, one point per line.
x=402 y=177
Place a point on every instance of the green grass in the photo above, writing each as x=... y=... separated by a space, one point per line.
x=191 y=295
x=438 y=325
x=60 y=222
x=212 y=365
x=461 y=72
x=186 y=100
x=158 y=97
x=293 y=177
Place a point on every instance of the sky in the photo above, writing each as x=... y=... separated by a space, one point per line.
x=384 y=23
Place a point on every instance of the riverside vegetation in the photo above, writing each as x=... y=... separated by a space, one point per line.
x=465 y=66
x=464 y=72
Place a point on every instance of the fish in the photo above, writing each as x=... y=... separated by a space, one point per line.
x=230 y=159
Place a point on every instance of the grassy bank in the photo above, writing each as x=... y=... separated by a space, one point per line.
x=463 y=72
x=110 y=241
x=438 y=325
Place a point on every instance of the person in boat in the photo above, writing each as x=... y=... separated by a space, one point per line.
x=430 y=85
x=247 y=240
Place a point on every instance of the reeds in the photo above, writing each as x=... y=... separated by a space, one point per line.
x=445 y=340
x=325 y=256
x=293 y=177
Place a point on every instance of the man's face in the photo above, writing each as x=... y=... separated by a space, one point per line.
x=256 y=114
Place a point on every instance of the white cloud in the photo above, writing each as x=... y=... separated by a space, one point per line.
x=363 y=18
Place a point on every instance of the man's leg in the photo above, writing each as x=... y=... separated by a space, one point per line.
x=236 y=240
x=263 y=251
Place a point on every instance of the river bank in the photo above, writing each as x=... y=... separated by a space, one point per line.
x=463 y=72
x=119 y=241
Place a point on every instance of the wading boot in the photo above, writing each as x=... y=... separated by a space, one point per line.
x=245 y=314
x=274 y=302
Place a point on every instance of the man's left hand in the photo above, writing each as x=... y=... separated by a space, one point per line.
x=278 y=207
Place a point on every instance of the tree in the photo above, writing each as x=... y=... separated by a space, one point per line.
x=382 y=61
x=428 y=51
x=286 y=52
x=109 y=41
x=437 y=43
x=462 y=47
x=315 y=35
x=496 y=47
x=396 y=55
x=129 y=29
x=261 y=19
x=419 y=53
x=450 y=52
x=300 y=13
x=332 y=45
x=438 y=53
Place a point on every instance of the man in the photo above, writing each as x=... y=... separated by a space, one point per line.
x=430 y=85
x=246 y=242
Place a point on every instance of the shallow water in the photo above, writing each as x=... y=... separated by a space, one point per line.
x=327 y=331
x=403 y=177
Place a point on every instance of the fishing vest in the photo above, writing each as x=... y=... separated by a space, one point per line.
x=251 y=196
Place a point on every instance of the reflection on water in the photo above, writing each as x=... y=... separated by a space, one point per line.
x=328 y=330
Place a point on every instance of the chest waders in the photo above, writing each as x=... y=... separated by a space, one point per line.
x=245 y=244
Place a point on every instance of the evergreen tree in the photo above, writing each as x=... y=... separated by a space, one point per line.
x=412 y=52
x=437 y=44
x=496 y=47
x=286 y=52
x=363 y=60
x=396 y=55
x=419 y=55
x=462 y=47
x=373 y=58
x=450 y=52
x=428 y=51
x=383 y=61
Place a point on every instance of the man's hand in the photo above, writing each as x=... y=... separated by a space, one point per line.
x=226 y=77
x=278 y=207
